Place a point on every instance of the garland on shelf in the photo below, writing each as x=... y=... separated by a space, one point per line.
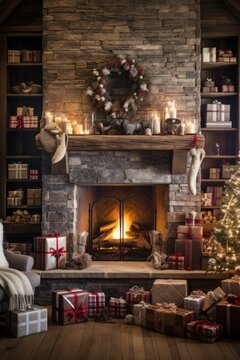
x=119 y=65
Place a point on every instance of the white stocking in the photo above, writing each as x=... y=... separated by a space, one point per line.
x=197 y=157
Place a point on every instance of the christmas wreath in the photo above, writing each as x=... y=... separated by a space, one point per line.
x=119 y=65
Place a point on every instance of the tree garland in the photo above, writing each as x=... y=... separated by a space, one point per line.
x=97 y=90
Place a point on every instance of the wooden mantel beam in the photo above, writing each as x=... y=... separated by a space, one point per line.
x=132 y=142
x=179 y=145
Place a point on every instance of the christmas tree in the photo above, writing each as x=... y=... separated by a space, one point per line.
x=227 y=231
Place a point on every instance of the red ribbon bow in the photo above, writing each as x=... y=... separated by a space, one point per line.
x=56 y=252
x=20 y=123
x=78 y=311
x=200 y=323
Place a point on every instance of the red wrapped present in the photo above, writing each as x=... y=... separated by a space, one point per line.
x=73 y=307
x=55 y=301
x=228 y=315
x=168 y=319
x=192 y=251
x=96 y=303
x=189 y=232
x=117 y=308
x=135 y=295
x=50 y=252
x=204 y=331
x=175 y=261
x=193 y=218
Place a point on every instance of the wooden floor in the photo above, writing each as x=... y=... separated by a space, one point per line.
x=118 y=341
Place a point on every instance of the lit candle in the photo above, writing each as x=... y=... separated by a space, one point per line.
x=86 y=132
x=155 y=124
x=48 y=117
x=78 y=129
x=172 y=109
x=190 y=127
x=166 y=113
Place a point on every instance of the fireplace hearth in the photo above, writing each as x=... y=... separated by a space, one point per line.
x=120 y=219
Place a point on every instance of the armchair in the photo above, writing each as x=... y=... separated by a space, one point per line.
x=22 y=263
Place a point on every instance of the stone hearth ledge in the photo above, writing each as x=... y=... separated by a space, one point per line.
x=126 y=270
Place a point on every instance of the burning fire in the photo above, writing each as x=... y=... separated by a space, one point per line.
x=116 y=230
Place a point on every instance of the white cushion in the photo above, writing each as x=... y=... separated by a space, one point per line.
x=3 y=260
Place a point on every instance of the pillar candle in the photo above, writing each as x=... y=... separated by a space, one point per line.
x=156 y=124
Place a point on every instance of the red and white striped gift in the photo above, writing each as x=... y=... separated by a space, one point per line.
x=96 y=303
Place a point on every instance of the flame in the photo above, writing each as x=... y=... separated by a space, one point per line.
x=127 y=224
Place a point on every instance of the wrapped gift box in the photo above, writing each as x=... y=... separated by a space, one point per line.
x=17 y=171
x=168 y=320
x=30 y=321
x=231 y=286
x=204 y=331
x=218 y=112
x=33 y=174
x=55 y=301
x=175 y=261
x=206 y=199
x=228 y=88
x=189 y=232
x=214 y=173
x=50 y=252
x=73 y=308
x=216 y=194
x=195 y=301
x=212 y=298
x=226 y=173
x=228 y=315
x=139 y=313
x=209 y=54
x=25 y=111
x=192 y=251
x=16 y=193
x=14 y=56
x=96 y=303
x=135 y=295
x=170 y=291
x=17 y=201
x=23 y=122
x=117 y=308
x=34 y=197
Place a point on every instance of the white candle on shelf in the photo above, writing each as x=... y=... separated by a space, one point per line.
x=48 y=117
x=190 y=127
x=86 y=132
x=78 y=129
x=172 y=109
x=156 y=128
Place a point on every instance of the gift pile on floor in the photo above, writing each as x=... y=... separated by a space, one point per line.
x=168 y=308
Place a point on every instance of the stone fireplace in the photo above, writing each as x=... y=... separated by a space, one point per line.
x=106 y=189
x=164 y=36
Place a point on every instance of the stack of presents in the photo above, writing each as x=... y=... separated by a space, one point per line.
x=168 y=308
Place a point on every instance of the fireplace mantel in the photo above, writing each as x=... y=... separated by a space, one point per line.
x=132 y=142
x=178 y=145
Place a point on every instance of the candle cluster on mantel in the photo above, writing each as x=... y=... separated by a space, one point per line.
x=188 y=126
x=68 y=126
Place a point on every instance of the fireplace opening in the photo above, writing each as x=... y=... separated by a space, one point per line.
x=119 y=219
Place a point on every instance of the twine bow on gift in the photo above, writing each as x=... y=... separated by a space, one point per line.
x=197 y=294
x=136 y=288
x=170 y=307
x=236 y=278
x=214 y=297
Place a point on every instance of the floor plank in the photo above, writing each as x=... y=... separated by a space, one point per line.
x=117 y=341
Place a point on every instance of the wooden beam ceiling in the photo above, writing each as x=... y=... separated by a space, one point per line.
x=6 y=7
x=234 y=7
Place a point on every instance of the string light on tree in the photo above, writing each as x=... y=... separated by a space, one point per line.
x=226 y=232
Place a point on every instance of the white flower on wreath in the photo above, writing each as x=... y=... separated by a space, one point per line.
x=95 y=72
x=108 y=106
x=133 y=71
x=106 y=71
x=89 y=92
x=143 y=87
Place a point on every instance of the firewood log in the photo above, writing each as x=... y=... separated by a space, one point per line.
x=108 y=226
